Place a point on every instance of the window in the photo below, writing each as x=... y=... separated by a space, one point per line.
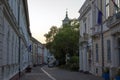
x=108 y=51
x=119 y=43
x=13 y=49
x=107 y=9
x=96 y=70
x=97 y=58
x=85 y=27
x=8 y=40
x=118 y=5
x=119 y=49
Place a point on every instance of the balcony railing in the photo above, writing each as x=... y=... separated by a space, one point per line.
x=96 y=31
x=84 y=38
x=112 y=20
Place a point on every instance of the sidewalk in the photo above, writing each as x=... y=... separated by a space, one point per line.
x=35 y=74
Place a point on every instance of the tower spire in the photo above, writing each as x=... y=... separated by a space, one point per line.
x=66 y=19
x=66 y=13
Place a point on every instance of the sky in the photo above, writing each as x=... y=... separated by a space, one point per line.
x=44 y=14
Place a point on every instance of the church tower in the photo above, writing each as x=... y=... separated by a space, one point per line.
x=66 y=19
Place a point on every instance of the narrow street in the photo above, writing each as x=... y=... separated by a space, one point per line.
x=45 y=73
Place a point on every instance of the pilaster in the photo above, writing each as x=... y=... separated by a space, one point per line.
x=81 y=59
x=85 y=60
x=1 y=33
x=1 y=40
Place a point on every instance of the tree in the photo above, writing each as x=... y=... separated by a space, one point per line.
x=65 y=40
x=50 y=36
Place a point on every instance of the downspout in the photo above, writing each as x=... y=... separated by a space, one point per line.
x=102 y=41
x=19 y=37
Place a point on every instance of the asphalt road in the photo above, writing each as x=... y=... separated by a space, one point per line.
x=45 y=73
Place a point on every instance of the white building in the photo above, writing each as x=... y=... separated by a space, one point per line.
x=40 y=57
x=85 y=41
x=111 y=36
x=34 y=51
x=105 y=47
x=45 y=54
x=14 y=38
x=39 y=52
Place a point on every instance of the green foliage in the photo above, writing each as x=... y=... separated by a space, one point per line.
x=106 y=70
x=50 y=35
x=118 y=72
x=63 y=40
x=74 y=59
x=74 y=63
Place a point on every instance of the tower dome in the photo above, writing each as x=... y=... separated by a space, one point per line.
x=66 y=19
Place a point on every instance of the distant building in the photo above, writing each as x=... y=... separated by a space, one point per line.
x=46 y=54
x=39 y=53
x=66 y=19
x=34 y=51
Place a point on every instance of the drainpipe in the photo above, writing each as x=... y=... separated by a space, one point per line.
x=19 y=55
x=19 y=37
x=102 y=42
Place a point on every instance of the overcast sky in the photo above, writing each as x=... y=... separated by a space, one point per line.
x=46 y=13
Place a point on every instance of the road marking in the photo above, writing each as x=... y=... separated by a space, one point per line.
x=48 y=74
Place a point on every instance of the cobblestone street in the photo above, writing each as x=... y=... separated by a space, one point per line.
x=45 y=73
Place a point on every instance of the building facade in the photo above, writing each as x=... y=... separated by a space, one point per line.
x=46 y=54
x=14 y=38
x=39 y=53
x=97 y=39
x=34 y=52
x=112 y=37
x=85 y=41
x=105 y=36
